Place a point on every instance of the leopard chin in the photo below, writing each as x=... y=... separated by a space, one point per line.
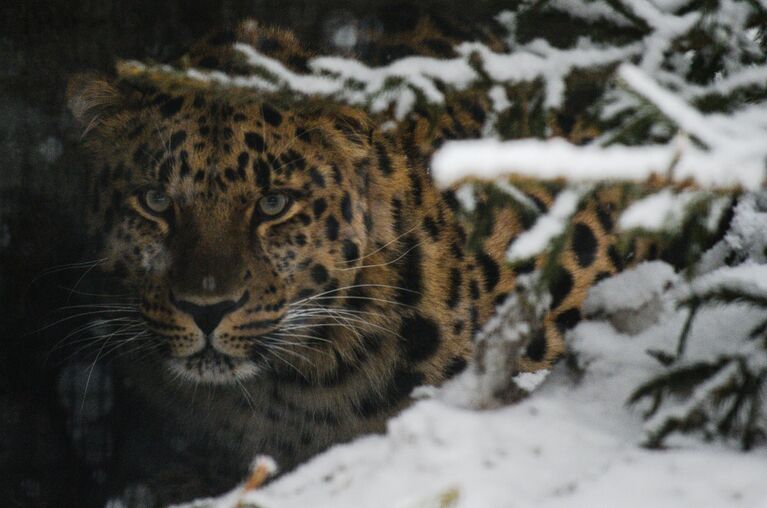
x=212 y=367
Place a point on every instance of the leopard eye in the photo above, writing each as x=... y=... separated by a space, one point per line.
x=273 y=204
x=156 y=201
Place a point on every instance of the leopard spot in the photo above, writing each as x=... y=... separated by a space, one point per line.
x=410 y=276
x=319 y=274
x=536 y=348
x=560 y=286
x=331 y=228
x=384 y=163
x=567 y=319
x=346 y=207
x=490 y=270
x=271 y=115
x=584 y=245
x=319 y=206
x=398 y=388
x=454 y=291
x=171 y=107
x=176 y=139
x=350 y=250
x=255 y=141
x=317 y=177
x=419 y=337
x=456 y=365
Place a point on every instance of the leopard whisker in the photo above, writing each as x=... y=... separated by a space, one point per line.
x=302 y=336
x=274 y=351
x=275 y=343
x=311 y=311
x=382 y=247
x=90 y=341
x=127 y=296
x=145 y=343
x=68 y=318
x=280 y=339
x=122 y=343
x=370 y=298
x=354 y=286
x=126 y=327
x=378 y=265
x=68 y=266
x=246 y=395
x=119 y=306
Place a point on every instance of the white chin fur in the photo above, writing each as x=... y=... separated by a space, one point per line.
x=213 y=370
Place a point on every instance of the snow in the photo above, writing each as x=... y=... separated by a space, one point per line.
x=499 y=98
x=518 y=195
x=529 y=381
x=688 y=119
x=663 y=210
x=728 y=149
x=539 y=59
x=556 y=158
x=592 y=11
x=490 y=159
x=418 y=72
x=310 y=84
x=535 y=240
x=749 y=278
x=568 y=445
x=633 y=289
x=547 y=453
x=748 y=233
x=735 y=153
x=465 y=196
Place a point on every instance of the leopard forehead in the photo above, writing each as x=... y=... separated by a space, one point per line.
x=198 y=144
x=216 y=153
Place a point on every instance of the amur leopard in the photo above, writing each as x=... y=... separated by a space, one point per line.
x=297 y=273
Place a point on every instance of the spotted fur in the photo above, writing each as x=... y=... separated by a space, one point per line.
x=313 y=326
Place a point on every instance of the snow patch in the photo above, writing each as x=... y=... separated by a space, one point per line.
x=540 y=60
x=633 y=289
x=465 y=196
x=661 y=211
x=535 y=240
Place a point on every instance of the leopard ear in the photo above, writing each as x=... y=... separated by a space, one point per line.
x=92 y=99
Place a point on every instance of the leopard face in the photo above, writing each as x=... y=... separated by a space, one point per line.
x=226 y=217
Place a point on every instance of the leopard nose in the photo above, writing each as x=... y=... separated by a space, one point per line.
x=207 y=317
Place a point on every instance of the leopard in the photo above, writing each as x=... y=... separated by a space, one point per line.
x=294 y=269
x=285 y=255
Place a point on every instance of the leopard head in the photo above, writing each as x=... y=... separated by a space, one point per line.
x=223 y=212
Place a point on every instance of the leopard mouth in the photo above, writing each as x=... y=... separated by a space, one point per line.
x=211 y=366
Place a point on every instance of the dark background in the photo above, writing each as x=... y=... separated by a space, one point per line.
x=42 y=193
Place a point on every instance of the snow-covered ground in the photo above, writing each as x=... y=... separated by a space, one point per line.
x=573 y=443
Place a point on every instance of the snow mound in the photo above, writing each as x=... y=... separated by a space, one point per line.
x=569 y=445
x=633 y=301
x=632 y=290
x=566 y=447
